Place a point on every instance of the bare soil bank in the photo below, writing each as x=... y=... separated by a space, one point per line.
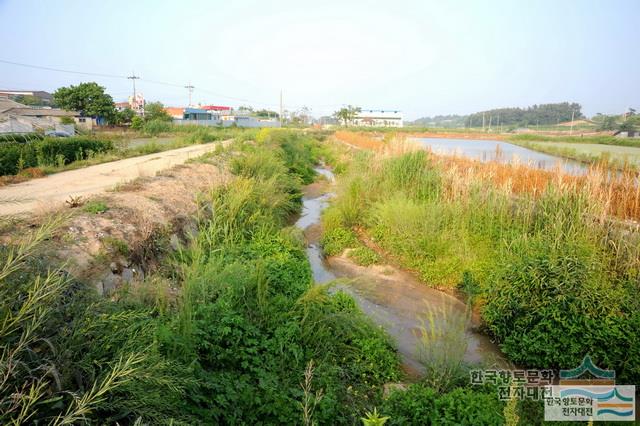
x=144 y=220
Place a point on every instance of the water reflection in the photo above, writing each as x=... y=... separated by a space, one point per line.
x=503 y=152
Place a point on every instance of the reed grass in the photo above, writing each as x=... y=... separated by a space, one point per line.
x=544 y=255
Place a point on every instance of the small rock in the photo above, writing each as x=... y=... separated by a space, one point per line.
x=114 y=267
x=110 y=282
x=174 y=242
x=100 y=288
x=127 y=275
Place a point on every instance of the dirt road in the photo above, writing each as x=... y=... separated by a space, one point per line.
x=38 y=195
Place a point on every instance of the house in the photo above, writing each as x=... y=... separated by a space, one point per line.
x=176 y=113
x=217 y=108
x=378 y=118
x=198 y=114
x=121 y=106
x=135 y=103
x=627 y=134
x=23 y=117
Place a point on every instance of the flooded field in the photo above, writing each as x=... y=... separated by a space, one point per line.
x=503 y=152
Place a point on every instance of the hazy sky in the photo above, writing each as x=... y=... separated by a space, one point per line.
x=422 y=57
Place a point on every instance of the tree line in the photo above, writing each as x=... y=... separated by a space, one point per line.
x=543 y=115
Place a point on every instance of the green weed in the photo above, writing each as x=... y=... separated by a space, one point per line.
x=95 y=207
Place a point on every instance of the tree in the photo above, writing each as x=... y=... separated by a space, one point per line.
x=265 y=113
x=124 y=117
x=301 y=116
x=89 y=99
x=29 y=100
x=608 y=123
x=347 y=114
x=155 y=111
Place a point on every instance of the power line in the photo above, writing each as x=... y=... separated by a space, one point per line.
x=162 y=83
x=40 y=67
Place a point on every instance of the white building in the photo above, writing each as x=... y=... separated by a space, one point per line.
x=378 y=118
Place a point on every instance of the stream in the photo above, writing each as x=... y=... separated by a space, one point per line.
x=392 y=298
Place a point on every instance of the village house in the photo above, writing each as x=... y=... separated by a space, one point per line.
x=18 y=118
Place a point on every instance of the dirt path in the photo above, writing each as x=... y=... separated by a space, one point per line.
x=47 y=193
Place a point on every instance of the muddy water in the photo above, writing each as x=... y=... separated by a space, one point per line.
x=392 y=298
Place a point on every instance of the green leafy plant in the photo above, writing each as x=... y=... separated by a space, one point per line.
x=335 y=241
x=364 y=256
x=373 y=418
x=95 y=207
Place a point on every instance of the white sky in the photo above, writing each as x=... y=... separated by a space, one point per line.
x=423 y=57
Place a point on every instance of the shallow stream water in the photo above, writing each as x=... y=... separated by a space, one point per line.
x=392 y=298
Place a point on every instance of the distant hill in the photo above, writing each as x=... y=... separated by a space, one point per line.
x=543 y=115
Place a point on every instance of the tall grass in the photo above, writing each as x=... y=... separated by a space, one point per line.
x=249 y=316
x=543 y=255
x=617 y=194
x=441 y=347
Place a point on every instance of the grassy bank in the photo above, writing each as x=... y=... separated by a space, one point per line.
x=245 y=338
x=553 y=279
x=31 y=157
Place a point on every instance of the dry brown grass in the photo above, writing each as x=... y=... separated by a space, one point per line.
x=618 y=194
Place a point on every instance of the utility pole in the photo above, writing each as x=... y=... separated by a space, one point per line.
x=133 y=78
x=483 y=121
x=280 y=107
x=190 y=88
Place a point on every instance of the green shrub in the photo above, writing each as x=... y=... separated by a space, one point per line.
x=156 y=127
x=421 y=405
x=71 y=149
x=95 y=207
x=364 y=256
x=334 y=241
x=22 y=138
x=553 y=302
x=48 y=151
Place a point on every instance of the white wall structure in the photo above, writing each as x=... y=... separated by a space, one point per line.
x=378 y=118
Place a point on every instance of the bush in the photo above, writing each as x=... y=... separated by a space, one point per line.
x=156 y=127
x=137 y=122
x=95 y=207
x=364 y=256
x=29 y=137
x=554 y=302
x=71 y=149
x=48 y=151
x=336 y=240
x=421 y=405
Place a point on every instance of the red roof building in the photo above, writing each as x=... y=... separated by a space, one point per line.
x=215 y=108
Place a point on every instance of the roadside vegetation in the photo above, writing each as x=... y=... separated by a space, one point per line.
x=28 y=156
x=247 y=337
x=542 y=256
